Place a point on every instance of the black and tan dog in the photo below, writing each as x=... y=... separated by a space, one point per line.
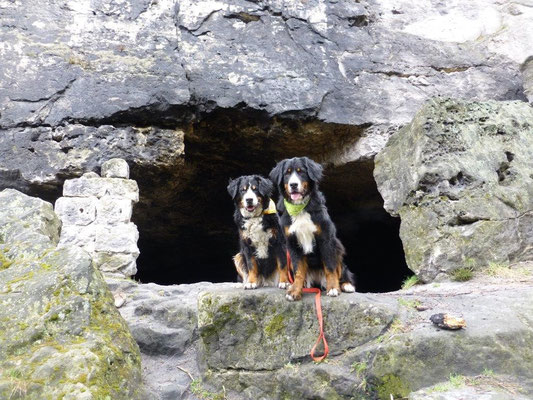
x=316 y=252
x=262 y=257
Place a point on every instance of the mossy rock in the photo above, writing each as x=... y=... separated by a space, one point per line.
x=459 y=176
x=61 y=336
x=260 y=329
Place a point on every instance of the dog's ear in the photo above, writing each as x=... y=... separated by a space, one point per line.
x=265 y=186
x=276 y=175
x=314 y=169
x=233 y=187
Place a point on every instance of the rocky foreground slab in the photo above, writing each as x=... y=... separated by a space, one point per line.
x=254 y=345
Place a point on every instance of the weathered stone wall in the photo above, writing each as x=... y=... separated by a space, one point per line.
x=96 y=212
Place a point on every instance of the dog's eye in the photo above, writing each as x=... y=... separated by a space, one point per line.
x=299 y=170
x=253 y=188
x=289 y=170
x=244 y=189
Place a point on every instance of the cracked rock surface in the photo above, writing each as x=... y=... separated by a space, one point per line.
x=81 y=83
x=255 y=344
x=460 y=178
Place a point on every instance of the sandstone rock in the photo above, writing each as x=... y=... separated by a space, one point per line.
x=408 y=355
x=60 y=334
x=527 y=75
x=83 y=187
x=240 y=330
x=117 y=239
x=116 y=168
x=146 y=74
x=113 y=210
x=459 y=178
x=163 y=321
x=76 y=211
x=96 y=215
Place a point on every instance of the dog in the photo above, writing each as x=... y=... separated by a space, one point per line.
x=262 y=258
x=316 y=252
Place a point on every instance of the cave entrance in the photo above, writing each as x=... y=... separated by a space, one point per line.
x=187 y=232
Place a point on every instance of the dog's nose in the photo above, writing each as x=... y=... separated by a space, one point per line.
x=250 y=201
x=294 y=186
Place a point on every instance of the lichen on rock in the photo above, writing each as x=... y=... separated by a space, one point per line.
x=459 y=178
x=60 y=334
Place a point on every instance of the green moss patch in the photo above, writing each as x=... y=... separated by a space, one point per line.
x=392 y=385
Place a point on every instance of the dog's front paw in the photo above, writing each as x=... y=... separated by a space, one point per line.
x=293 y=295
x=250 y=285
x=333 y=292
x=284 y=285
x=348 y=288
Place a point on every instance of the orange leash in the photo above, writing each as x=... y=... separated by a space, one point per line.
x=318 y=306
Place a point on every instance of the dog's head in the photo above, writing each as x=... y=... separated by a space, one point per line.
x=251 y=194
x=296 y=178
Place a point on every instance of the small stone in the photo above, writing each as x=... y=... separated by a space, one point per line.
x=116 y=262
x=448 y=321
x=120 y=299
x=112 y=210
x=75 y=210
x=90 y=175
x=120 y=238
x=116 y=168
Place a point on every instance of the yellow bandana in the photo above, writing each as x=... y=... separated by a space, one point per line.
x=271 y=208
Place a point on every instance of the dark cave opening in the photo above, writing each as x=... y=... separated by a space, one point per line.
x=186 y=224
x=203 y=252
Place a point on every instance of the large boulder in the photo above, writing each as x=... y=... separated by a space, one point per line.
x=164 y=322
x=255 y=344
x=459 y=176
x=60 y=334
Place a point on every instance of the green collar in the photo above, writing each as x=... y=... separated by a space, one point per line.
x=295 y=209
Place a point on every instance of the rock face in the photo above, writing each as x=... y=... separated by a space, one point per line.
x=459 y=176
x=527 y=75
x=265 y=332
x=60 y=334
x=137 y=79
x=254 y=344
x=164 y=322
x=96 y=213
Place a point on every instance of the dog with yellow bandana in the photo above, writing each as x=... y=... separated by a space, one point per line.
x=262 y=257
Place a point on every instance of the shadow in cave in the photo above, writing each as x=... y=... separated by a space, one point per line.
x=192 y=237
x=369 y=233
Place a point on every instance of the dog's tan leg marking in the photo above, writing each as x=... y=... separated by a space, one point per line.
x=283 y=276
x=332 y=281
x=295 y=291
x=238 y=260
x=252 y=275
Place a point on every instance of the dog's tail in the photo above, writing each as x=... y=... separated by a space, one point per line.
x=240 y=266
x=347 y=276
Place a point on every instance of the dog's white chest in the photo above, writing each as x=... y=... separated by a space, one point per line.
x=253 y=230
x=303 y=227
